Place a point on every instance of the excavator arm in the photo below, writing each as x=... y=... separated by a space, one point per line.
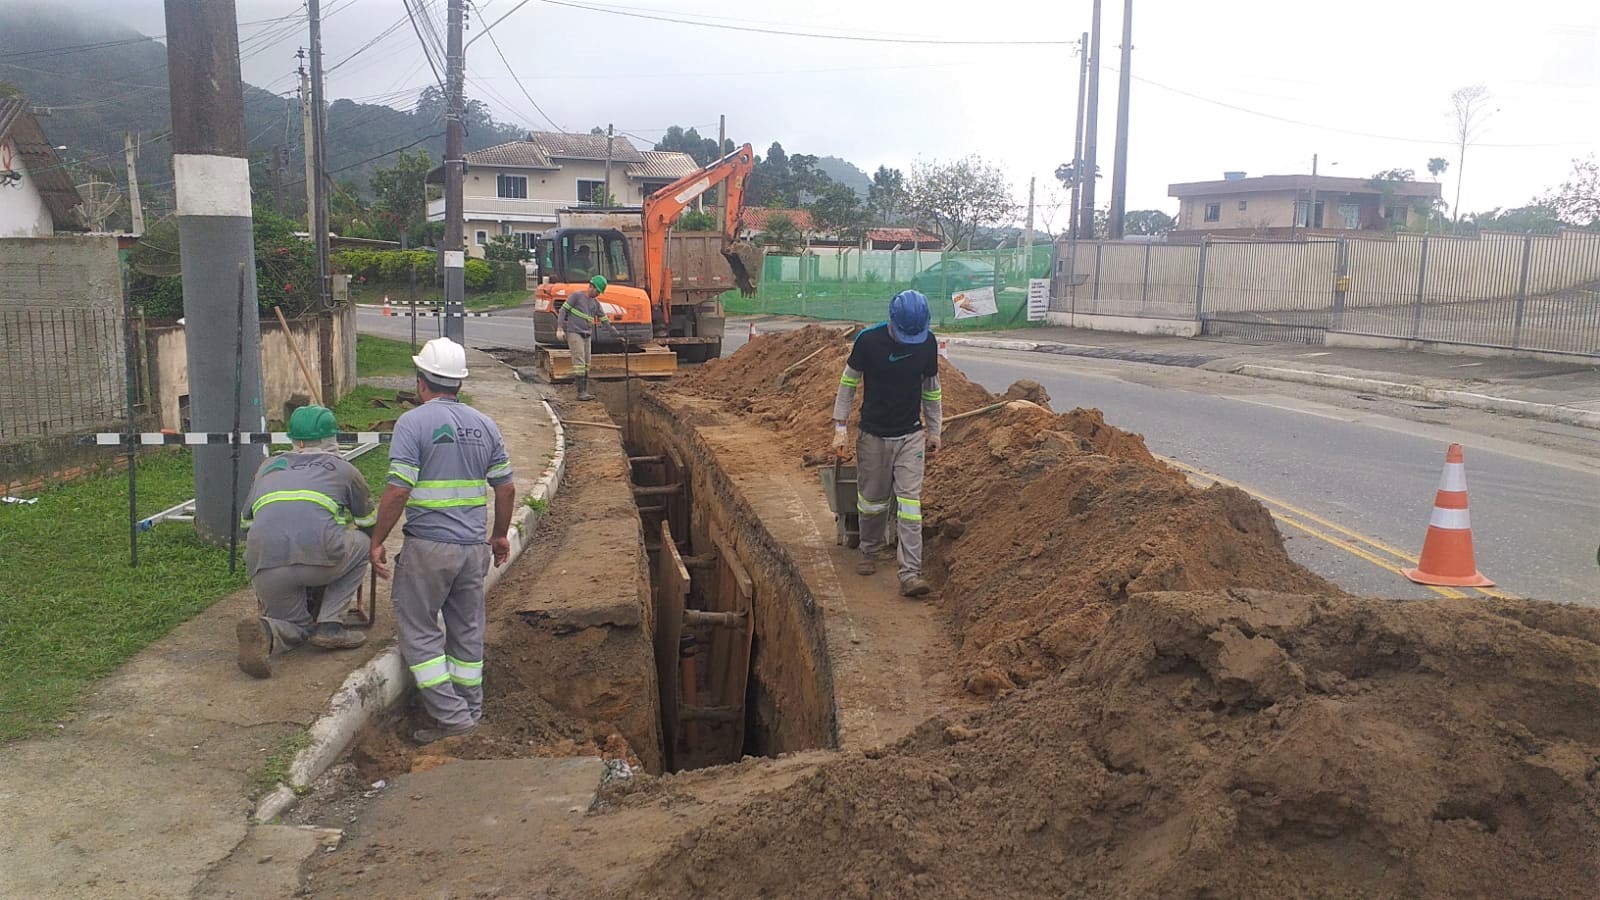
x=663 y=207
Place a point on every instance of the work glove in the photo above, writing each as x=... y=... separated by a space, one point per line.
x=841 y=438
x=934 y=442
x=561 y=335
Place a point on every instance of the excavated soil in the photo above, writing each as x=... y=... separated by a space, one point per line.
x=1038 y=524
x=1235 y=743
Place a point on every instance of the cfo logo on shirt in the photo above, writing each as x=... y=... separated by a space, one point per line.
x=451 y=434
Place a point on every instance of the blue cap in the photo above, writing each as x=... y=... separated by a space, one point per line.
x=908 y=317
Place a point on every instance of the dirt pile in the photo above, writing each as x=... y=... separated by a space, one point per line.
x=802 y=407
x=1041 y=524
x=1218 y=744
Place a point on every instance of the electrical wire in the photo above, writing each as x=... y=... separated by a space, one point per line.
x=426 y=50
x=495 y=42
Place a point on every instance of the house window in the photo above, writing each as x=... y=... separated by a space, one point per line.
x=483 y=238
x=1300 y=207
x=526 y=239
x=650 y=187
x=591 y=191
x=1351 y=214
x=505 y=227
x=1396 y=215
x=511 y=187
x=1213 y=212
x=1244 y=205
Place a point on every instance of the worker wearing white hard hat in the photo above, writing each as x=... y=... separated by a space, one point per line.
x=443 y=462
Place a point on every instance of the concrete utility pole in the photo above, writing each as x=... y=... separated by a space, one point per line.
x=319 y=235
x=610 y=135
x=135 y=208
x=1091 y=127
x=455 y=259
x=1119 y=165
x=1077 y=137
x=212 y=172
x=310 y=135
x=1311 y=211
x=1027 y=234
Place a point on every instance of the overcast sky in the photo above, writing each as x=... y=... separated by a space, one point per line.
x=1236 y=84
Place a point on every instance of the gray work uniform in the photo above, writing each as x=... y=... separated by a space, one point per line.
x=300 y=532
x=448 y=454
x=903 y=404
x=579 y=317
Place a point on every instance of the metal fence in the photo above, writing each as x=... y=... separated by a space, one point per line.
x=855 y=285
x=1529 y=292
x=66 y=371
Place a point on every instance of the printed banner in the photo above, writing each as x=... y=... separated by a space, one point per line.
x=1038 y=299
x=976 y=302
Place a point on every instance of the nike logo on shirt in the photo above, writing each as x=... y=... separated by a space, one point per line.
x=896 y=358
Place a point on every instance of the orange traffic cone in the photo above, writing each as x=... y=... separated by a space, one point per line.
x=1447 y=551
x=386 y=309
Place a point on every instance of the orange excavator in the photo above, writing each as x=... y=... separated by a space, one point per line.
x=670 y=305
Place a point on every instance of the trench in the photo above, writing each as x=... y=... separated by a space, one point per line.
x=741 y=653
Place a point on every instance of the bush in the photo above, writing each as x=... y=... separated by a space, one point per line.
x=509 y=276
x=286 y=268
x=387 y=265
x=479 y=275
x=504 y=248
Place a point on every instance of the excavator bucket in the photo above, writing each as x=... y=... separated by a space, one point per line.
x=745 y=260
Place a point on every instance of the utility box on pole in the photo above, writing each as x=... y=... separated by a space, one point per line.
x=212 y=172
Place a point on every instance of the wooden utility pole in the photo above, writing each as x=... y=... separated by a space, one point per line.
x=1119 y=165
x=610 y=136
x=309 y=133
x=216 y=249
x=1077 y=137
x=455 y=261
x=135 y=208
x=1091 y=129
x=319 y=234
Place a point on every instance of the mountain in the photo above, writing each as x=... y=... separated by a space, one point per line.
x=118 y=84
x=846 y=173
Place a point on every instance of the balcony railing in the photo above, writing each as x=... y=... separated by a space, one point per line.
x=502 y=208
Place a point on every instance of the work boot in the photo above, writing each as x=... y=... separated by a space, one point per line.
x=866 y=566
x=914 y=586
x=334 y=636
x=255 y=647
x=429 y=735
x=583 y=388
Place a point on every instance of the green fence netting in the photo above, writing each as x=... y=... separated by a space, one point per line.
x=855 y=285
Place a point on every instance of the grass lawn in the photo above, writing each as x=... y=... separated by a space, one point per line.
x=356 y=412
x=71 y=608
x=379 y=356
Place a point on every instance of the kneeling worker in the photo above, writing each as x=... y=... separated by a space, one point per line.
x=897 y=365
x=308 y=523
x=575 y=325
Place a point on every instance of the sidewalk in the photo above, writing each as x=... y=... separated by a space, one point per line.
x=1535 y=388
x=146 y=788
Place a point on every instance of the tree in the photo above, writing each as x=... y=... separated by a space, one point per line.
x=1148 y=221
x=959 y=197
x=838 y=211
x=1468 y=106
x=703 y=149
x=781 y=232
x=887 y=194
x=505 y=248
x=1065 y=173
x=783 y=180
x=696 y=220
x=1577 y=201
x=402 y=193
x=1437 y=165
x=1535 y=218
x=1392 y=175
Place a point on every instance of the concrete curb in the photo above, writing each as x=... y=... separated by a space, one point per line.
x=990 y=343
x=382 y=681
x=1549 y=412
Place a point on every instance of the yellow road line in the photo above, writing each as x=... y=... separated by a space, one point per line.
x=1287 y=513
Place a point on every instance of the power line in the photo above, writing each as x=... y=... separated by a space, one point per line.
x=802 y=34
x=427 y=51
x=496 y=43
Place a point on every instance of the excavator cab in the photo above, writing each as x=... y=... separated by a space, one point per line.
x=567 y=258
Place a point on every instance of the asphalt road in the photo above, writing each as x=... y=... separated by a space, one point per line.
x=1352 y=484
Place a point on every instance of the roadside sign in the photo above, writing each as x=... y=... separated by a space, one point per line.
x=976 y=302
x=1038 y=299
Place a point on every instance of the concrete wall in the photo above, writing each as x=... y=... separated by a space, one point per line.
x=283 y=384
x=1264 y=209
x=22 y=210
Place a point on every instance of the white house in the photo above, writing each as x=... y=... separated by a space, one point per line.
x=516 y=188
x=37 y=198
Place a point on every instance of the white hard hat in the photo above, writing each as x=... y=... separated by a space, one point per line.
x=443 y=358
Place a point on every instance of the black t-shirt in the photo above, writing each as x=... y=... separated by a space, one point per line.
x=891 y=375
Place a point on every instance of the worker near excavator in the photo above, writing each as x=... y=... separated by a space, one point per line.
x=444 y=460
x=575 y=324
x=896 y=364
x=307 y=523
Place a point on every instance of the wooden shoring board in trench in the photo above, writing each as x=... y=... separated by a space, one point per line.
x=735 y=593
x=672 y=587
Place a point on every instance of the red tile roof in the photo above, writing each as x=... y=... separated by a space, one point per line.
x=902 y=236
x=755 y=217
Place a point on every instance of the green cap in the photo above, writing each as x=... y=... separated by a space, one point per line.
x=312 y=423
x=598 y=283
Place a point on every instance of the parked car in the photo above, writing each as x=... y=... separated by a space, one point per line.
x=947 y=277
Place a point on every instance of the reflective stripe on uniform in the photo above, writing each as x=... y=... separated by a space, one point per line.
x=501 y=470
x=405 y=472
x=320 y=499
x=445 y=494
x=910 y=510
x=432 y=673
x=367 y=521
x=934 y=395
x=574 y=311
x=469 y=674
x=871 y=507
x=847 y=381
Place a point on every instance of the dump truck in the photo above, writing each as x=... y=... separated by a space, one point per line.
x=665 y=287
